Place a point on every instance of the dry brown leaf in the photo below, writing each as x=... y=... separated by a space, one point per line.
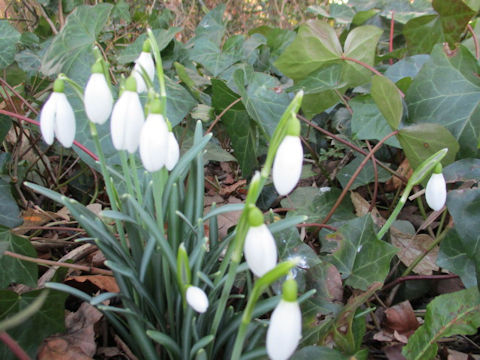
x=103 y=282
x=411 y=246
x=226 y=220
x=34 y=217
x=456 y=355
x=95 y=208
x=227 y=190
x=334 y=284
x=401 y=318
x=362 y=206
x=394 y=183
x=394 y=352
x=78 y=342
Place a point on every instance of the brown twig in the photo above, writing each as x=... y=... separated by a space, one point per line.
x=13 y=346
x=352 y=146
x=221 y=114
x=329 y=227
x=90 y=269
x=355 y=174
x=392 y=28
x=401 y=279
x=475 y=41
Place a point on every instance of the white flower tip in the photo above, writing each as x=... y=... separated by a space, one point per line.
x=287 y=166
x=260 y=250
x=197 y=299
x=173 y=152
x=436 y=192
x=285 y=330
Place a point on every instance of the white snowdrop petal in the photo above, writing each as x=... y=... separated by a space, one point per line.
x=436 y=192
x=173 y=153
x=47 y=118
x=144 y=60
x=134 y=123
x=287 y=166
x=64 y=121
x=260 y=250
x=118 y=120
x=197 y=299
x=153 y=142
x=284 y=331
x=98 y=99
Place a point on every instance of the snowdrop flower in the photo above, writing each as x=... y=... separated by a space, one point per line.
x=260 y=249
x=127 y=119
x=287 y=166
x=97 y=97
x=436 y=191
x=197 y=299
x=57 y=118
x=154 y=139
x=144 y=61
x=173 y=151
x=285 y=329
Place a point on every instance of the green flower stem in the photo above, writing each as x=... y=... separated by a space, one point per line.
x=260 y=286
x=235 y=250
x=76 y=87
x=159 y=68
x=114 y=203
x=105 y=66
x=417 y=177
x=136 y=182
x=159 y=179
x=126 y=172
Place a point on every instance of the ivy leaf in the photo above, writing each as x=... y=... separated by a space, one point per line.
x=9 y=212
x=319 y=352
x=423 y=140
x=432 y=98
x=240 y=130
x=463 y=170
x=361 y=44
x=9 y=37
x=361 y=257
x=30 y=334
x=71 y=50
x=455 y=313
x=366 y=176
x=388 y=99
x=315 y=44
x=423 y=32
x=326 y=78
x=212 y=25
x=407 y=67
x=12 y=269
x=207 y=53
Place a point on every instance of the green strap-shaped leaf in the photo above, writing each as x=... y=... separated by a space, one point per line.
x=450 y=314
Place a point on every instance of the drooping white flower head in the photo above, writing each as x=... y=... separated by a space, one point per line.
x=260 y=249
x=97 y=97
x=57 y=118
x=127 y=119
x=154 y=139
x=436 y=190
x=287 y=165
x=173 y=152
x=197 y=299
x=144 y=61
x=285 y=329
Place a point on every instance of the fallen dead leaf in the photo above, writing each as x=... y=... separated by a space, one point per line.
x=456 y=355
x=226 y=220
x=78 y=342
x=411 y=246
x=227 y=190
x=103 y=282
x=334 y=284
x=362 y=206
x=394 y=352
x=95 y=208
x=401 y=318
x=394 y=183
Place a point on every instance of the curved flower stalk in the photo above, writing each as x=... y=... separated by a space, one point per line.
x=285 y=329
x=436 y=190
x=57 y=118
x=154 y=139
x=260 y=249
x=97 y=97
x=127 y=119
x=197 y=299
x=144 y=61
x=173 y=150
x=287 y=166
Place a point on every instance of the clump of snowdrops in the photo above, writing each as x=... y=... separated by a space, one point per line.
x=176 y=299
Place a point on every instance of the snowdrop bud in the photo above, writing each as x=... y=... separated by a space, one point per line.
x=97 y=98
x=154 y=139
x=144 y=61
x=197 y=299
x=285 y=329
x=260 y=249
x=436 y=191
x=173 y=151
x=127 y=119
x=287 y=166
x=57 y=118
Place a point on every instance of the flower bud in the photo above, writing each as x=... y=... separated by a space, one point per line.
x=57 y=118
x=97 y=97
x=154 y=139
x=197 y=299
x=436 y=190
x=144 y=61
